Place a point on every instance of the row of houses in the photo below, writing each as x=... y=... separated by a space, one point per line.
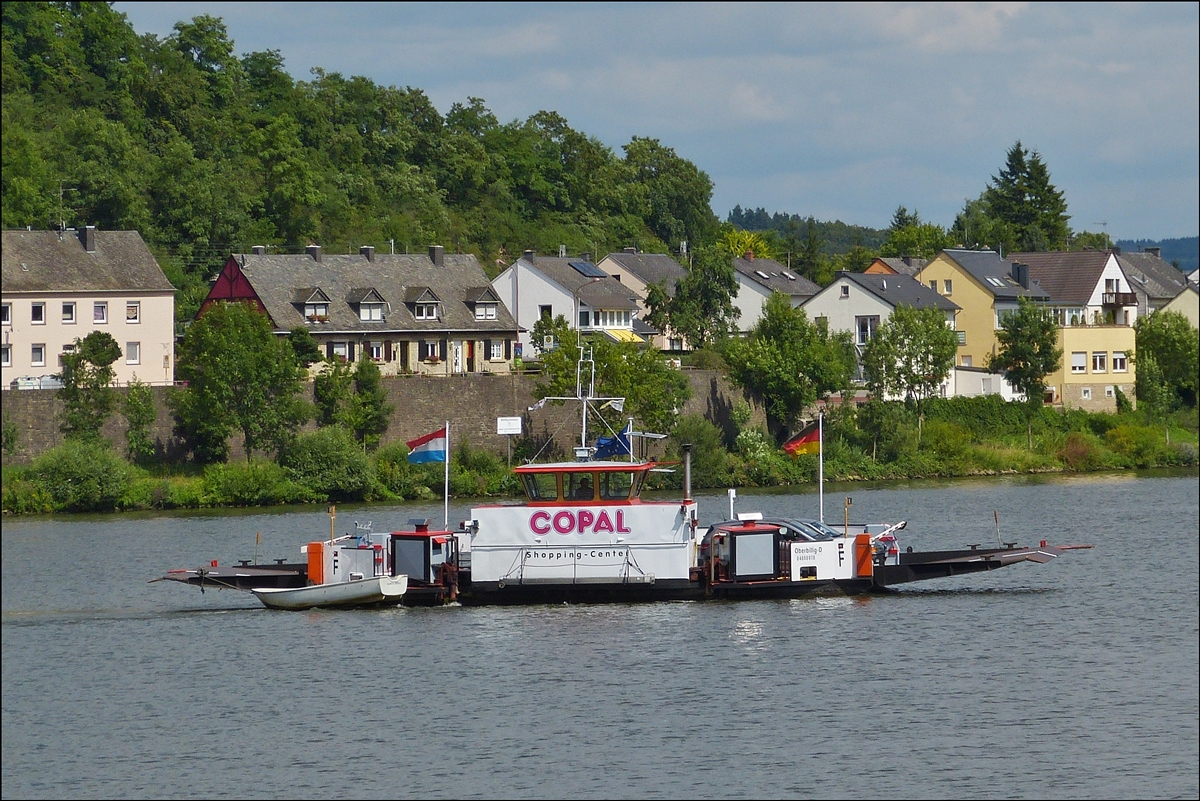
x=437 y=313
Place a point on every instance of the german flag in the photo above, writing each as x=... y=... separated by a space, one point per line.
x=807 y=441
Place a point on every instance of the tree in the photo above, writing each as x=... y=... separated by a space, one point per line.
x=367 y=414
x=304 y=346
x=331 y=392
x=1023 y=198
x=701 y=310
x=737 y=243
x=902 y=219
x=1155 y=397
x=923 y=240
x=239 y=376
x=910 y=356
x=1173 y=342
x=1028 y=340
x=809 y=260
x=674 y=196
x=789 y=361
x=140 y=414
x=87 y=394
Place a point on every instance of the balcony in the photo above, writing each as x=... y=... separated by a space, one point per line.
x=1119 y=299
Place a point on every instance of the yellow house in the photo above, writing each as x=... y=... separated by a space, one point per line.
x=1094 y=365
x=985 y=287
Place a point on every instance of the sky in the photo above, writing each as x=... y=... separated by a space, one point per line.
x=839 y=111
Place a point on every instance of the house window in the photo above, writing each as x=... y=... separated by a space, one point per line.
x=1120 y=363
x=1100 y=362
x=133 y=352
x=585 y=319
x=316 y=310
x=100 y=313
x=6 y=355
x=133 y=311
x=1086 y=394
x=497 y=350
x=37 y=355
x=6 y=314
x=866 y=327
x=1110 y=285
x=933 y=285
x=485 y=311
x=967 y=362
x=426 y=311
x=340 y=350
x=545 y=312
x=429 y=351
x=376 y=349
x=1079 y=362
x=949 y=290
x=37 y=314
x=962 y=337
x=68 y=315
x=1109 y=393
x=370 y=312
x=845 y=290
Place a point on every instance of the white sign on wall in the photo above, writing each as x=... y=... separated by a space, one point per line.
x=508 y=425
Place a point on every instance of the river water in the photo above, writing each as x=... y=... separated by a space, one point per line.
x=1075 y=679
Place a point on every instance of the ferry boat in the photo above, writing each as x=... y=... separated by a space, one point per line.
x=583 y=533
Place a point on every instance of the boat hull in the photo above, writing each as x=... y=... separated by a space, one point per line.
x=372 y=591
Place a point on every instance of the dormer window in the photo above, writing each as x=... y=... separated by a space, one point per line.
x=485 y=311
x=370 y=312
x=426 y=311
x=316 y=310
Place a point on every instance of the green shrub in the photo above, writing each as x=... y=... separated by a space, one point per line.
x=945 y=438
x=394 y=474
x=329 y=463
x=83 y=476
x=23 y=495
x=1141 y=445
x=710 y=460
x=1081 y=452
x=255 y=483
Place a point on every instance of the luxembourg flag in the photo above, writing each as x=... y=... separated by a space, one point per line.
x=429 y=448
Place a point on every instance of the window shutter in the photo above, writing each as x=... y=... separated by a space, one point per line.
x=350 y=352
x=487 y=349
x=387 y=350
x=329 y=350
x=442 y=350
x=422 y=354
x=508 y=349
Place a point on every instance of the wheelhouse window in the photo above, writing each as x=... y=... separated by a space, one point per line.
x=133 y=352
x=615 y=486
x=426 y=311
x=1079 y=362
x=541 y=486
x=579 y=486
x=133 y=311
x=37 y=313
x=100 y=312
x=68 y=313
x=370 y=312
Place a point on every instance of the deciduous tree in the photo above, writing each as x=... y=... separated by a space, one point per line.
x=87 y=393
x=1028 y=352
x=910 y=356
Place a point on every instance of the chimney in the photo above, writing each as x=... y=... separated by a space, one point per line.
x=528 y=256
x=749 y=255
x=632 y=251
x=1020 y=274
x=1116 y=250
x=437 y=255
x=368 y=251
x=259 y=250
x=907 y=260
x=586 y=256
x=314 y=251
x=87 y=237
x=1156 y=252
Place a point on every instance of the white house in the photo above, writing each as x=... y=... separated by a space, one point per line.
x=638 y=271
x=590 y=299
x=757 y=279
x=60 y=286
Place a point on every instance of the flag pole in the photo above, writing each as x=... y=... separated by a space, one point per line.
x=446 y=493
x=821 y=461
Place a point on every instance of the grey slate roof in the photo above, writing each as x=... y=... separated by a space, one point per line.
x=606 y=293
x=775 y=277
x=1157 y=278
x=901 y=290
x=47 y=261
x=982 y=264
x=1068 y=277
x=399 y=279
x=652 y=268
x=910 y=267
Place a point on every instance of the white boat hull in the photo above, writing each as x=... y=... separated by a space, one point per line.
x=359 y=592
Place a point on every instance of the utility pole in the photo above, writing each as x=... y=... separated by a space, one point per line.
x=62 y=222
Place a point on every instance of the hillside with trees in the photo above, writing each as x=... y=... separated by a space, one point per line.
x=205 y=151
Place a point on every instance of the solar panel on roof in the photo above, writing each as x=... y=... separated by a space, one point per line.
x=588 y=270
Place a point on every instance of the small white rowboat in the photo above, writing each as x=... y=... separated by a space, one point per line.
x=356 y=592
